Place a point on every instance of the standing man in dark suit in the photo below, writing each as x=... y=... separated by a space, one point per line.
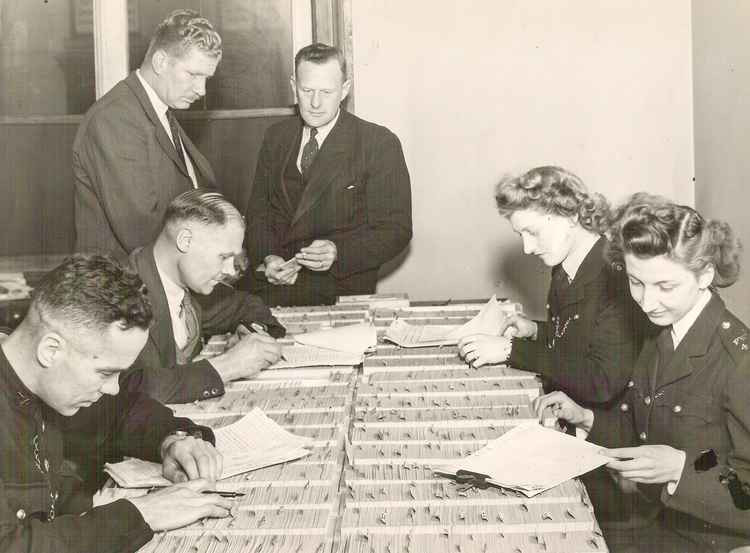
x=331 y=194
x=195 y=251
x=130 y=155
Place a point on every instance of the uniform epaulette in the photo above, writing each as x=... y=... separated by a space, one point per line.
x=735 y=336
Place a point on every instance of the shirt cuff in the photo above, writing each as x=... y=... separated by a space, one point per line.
x=672 y=484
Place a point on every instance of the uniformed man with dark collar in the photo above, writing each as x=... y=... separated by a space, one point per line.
x=87 y=323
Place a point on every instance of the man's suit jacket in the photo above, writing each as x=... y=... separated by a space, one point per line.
x=357 y=195
x=126 y=172
x=167 y=381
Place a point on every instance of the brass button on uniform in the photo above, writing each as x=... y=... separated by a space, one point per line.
x=206 y=393
x=643 y=436
x=726 y=325
x=631 y=383
x=624 y=407
x=647 y=400
x=215 y=391
x=677 y=408
x=20 y=514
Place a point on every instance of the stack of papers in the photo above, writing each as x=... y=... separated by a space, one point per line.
x=487 y=321
x=253 y=442
x=309 y=356
x=343 y=345
x=376 y=301
x=531 y=459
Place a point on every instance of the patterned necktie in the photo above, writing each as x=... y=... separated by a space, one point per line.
x=190 y=318
x=175 y=130
x=309 y=151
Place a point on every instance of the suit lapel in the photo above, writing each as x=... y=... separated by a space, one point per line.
x=689 y=355
x=203 y=170
x=292 y=146
x=329 y=161
x=161 y=135
x=161 y=331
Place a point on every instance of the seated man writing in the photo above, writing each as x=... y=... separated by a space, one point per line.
x=196 y=249
x=87 y=323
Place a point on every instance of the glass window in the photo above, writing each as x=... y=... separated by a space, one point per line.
x=46 y=57
x=257 y=37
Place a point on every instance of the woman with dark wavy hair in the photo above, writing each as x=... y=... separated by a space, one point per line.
x=687 y=400
x=593 y=330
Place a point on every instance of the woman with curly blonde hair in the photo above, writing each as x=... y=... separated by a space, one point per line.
x=593 y=330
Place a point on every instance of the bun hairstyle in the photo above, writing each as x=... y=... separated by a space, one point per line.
x=650 y=226
x=553 y=190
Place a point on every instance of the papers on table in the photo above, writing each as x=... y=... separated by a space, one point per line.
x=356 y=338
x=376 y=301
x=309 y=356
x=531 y=459
x=487 y=321
x=253 y=442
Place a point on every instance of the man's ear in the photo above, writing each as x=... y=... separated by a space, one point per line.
x=159 y=61
x=293 y=84
x=49 y=349
x=184 y=239
x=346 y=87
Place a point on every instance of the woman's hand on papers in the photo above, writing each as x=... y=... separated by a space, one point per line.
x=280 y=272
x=484 y=349
x=519 y=326
x=180 y=505
x=647 y=464
x=564 y=408
x=187 y=458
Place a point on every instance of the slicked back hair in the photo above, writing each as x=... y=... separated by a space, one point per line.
x=92 y=292
x=206 y=207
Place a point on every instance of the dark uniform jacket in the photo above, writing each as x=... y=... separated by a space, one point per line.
x=592 y=336
x=126 y=172
x=699 y=401
x=167 y=381
x=357 y=195
x=34 y=440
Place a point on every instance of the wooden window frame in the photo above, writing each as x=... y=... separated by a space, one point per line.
x=330 y=23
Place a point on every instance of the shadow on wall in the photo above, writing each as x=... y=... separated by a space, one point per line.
x=525 y=279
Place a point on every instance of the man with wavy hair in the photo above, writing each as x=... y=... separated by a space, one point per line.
x=130 y=155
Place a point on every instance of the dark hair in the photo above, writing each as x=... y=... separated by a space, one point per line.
x=553 y=190
x=320 y=53
x=650 y=226
x=93 y=291
x=182 y=30
x=203 y=206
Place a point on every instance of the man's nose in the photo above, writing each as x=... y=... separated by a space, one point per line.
x=315 y=99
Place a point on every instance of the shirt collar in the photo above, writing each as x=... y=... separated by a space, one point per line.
x=160 y=107
x=575 y=258
x=174 y=292
x=681 y=327
x=323 y=130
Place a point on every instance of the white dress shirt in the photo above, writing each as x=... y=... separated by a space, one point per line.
x=161 y=112
x=323 y=132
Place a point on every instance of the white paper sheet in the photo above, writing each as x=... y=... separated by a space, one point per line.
x=531 y=459
x=310 y=356
x=356 y=338
x=253 y=442
x=487 y=321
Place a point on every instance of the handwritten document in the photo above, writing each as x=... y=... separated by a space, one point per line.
x=487 y=321
x=310 y=356
x=253 y=442
x=356 y=338
x=531 y=459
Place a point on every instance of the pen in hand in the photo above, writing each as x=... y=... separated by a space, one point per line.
x=223 y=494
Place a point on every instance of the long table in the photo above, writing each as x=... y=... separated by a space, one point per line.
x=368 y=486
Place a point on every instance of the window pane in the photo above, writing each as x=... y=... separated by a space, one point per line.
x=46 y=57
x=257 y=35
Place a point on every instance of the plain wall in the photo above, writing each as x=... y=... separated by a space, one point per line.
x=721 y=53
x=478 y=89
